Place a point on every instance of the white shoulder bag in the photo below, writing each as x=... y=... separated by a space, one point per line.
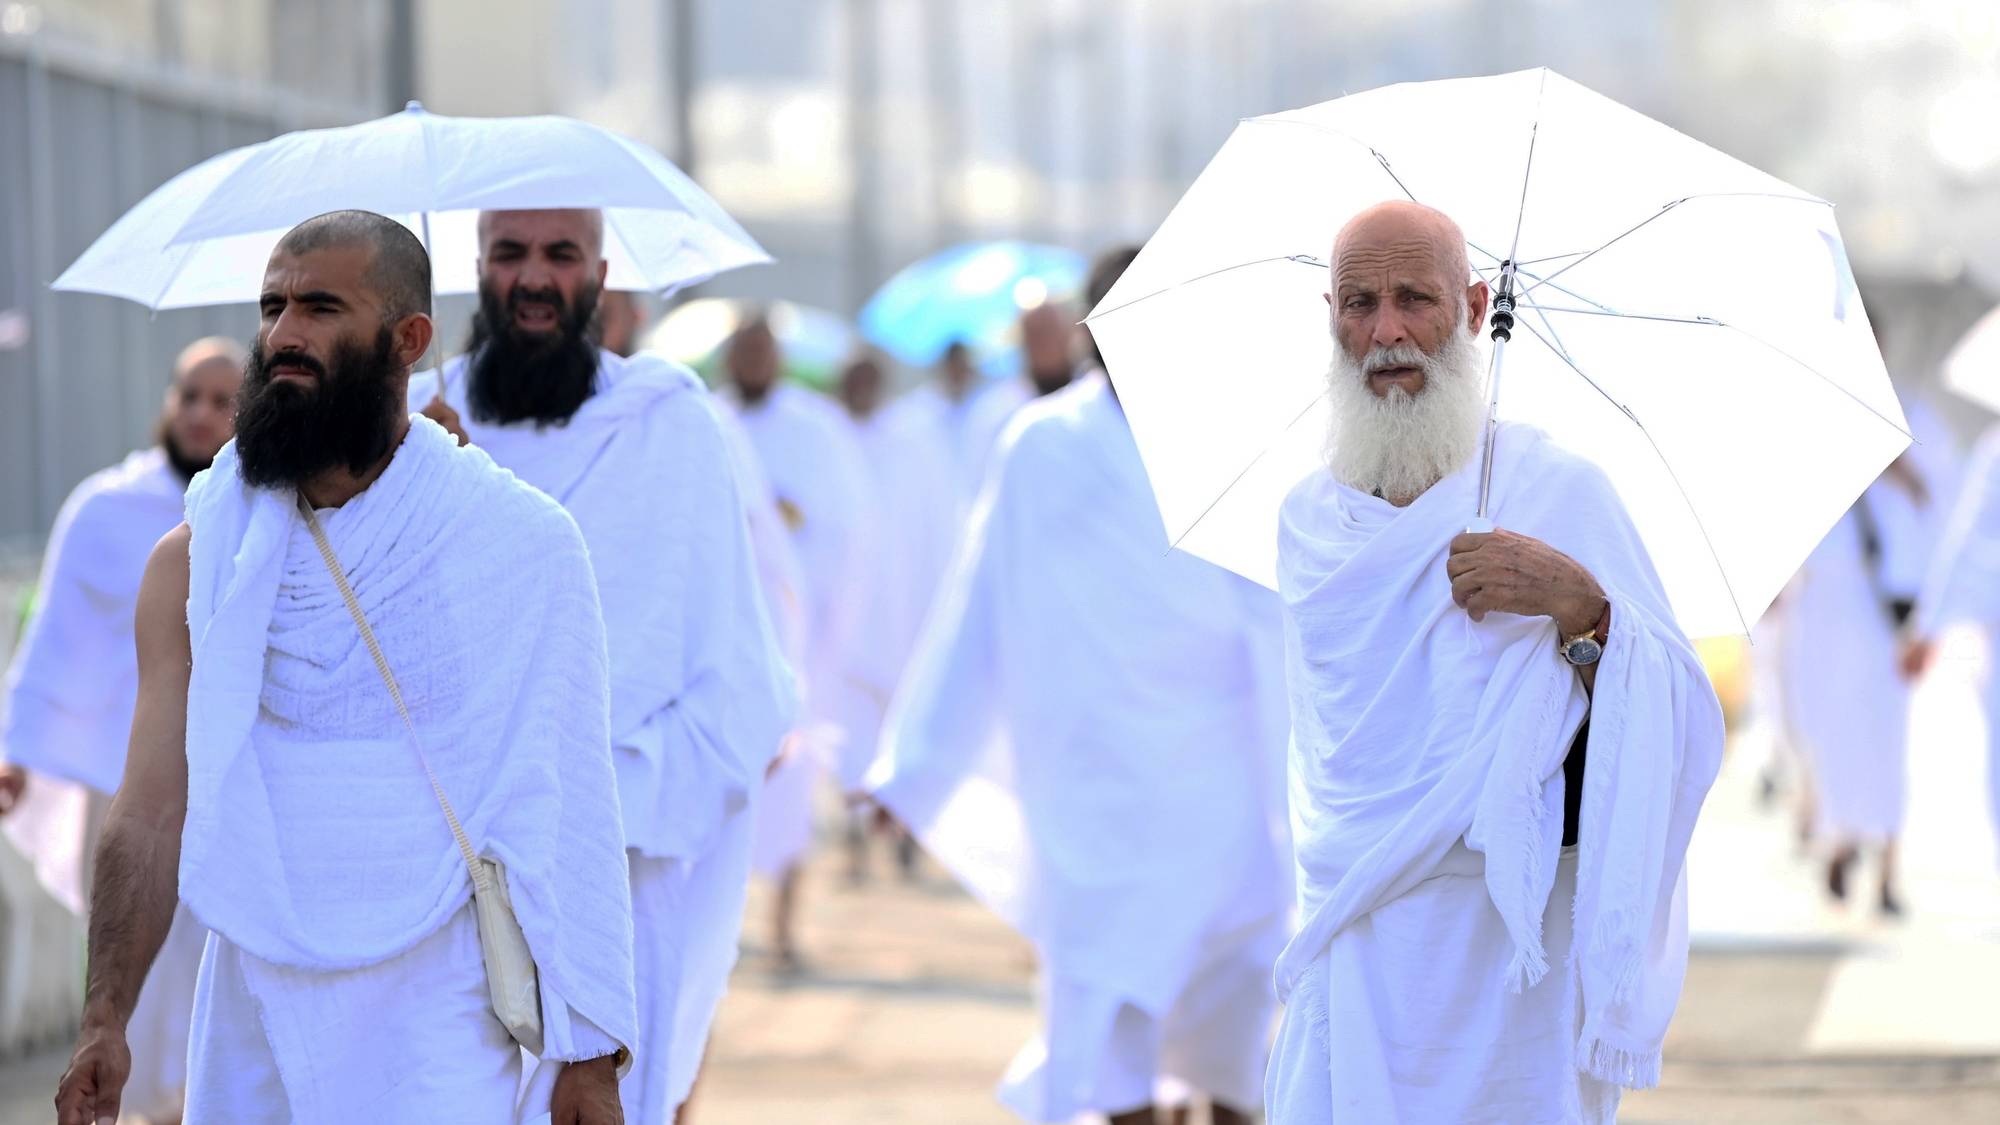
x=510 y=966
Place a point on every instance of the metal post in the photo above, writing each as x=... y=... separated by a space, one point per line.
x=947 y=114
x=682 y=26
x=864 y=144
x=405 y=51
x=42 y=254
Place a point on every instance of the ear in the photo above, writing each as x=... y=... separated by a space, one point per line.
x=1475 y=307
x=1329 y=299
x=412 y=336
x=603 y=270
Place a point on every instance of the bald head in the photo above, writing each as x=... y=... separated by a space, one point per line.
x=752 y=359
x=399 y=271
x=201 y=401
x=1401 y=282
x=209 y=352
x=1407 y=234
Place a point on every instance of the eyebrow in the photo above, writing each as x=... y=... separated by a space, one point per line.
x=552 y=247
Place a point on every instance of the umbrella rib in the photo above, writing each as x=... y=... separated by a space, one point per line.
x=1303 y=259
x=1238 y=479
x=1528 y=171
x=1560 y=348
x=1525 y=261
x=1707 y=540
x=1747 y=334
x=1669 y=206
x=1351 y=139
x=1525 y=273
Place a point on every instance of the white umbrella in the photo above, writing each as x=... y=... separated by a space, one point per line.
x=1684 y=320
x=205 y=236
x=1972 y=368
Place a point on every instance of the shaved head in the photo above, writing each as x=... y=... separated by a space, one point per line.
x=209 y=351
x=1402 y=232
x=582 y=225
x=399 y=271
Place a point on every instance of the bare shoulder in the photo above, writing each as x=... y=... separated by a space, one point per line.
x=163 y=594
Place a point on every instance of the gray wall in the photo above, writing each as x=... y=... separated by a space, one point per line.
x=84 y=134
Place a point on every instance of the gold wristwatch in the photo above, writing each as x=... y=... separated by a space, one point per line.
x=1586 y=648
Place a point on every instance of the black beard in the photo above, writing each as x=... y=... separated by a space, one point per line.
x=543 y=378
x=287 y=434
x=184 y=466
x=1049 y=382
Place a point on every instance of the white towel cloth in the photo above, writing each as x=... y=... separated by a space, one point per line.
x=313 y=845
x=912 y=506
x=700 y=694
x=805 y=445
x=74 y=678
x=1415 y=729
x=1964 y=585
x=70 y=694
x=1090 y=732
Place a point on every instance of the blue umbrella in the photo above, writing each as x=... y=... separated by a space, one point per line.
x=973 y=293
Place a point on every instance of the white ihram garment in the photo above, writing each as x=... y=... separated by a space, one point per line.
x=699 y=694
x=1089 y=737
x=1846 y=700
x=806 y=448
x=314 y=848
x=1964 y=586
x=969 y=428
x=70 y=693
x=1427 y=809
x=908 y=536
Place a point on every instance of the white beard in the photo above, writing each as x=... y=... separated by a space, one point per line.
x=1398 y=445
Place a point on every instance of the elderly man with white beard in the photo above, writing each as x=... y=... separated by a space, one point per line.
x=1491 y=930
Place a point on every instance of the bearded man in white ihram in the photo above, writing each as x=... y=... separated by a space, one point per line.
x=1492 y=928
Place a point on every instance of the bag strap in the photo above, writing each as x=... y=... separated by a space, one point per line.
x=472 y=865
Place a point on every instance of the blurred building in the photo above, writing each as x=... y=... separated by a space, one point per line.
x=854 y=136
x=100 y=102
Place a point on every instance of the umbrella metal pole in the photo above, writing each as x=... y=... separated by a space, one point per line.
x=1503 y=331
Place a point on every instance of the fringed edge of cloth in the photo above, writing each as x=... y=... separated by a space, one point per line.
x=1622 y=1066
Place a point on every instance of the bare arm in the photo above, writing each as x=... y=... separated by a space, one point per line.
x=136 y=883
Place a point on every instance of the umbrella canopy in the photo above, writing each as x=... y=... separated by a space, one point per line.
x=973 y=293
x=1972 y=369
x=205 y=236
x=813 y=343
x=1685 y=321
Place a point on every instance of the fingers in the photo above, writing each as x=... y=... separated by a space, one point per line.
x=82 y=1100
x=1468 y=541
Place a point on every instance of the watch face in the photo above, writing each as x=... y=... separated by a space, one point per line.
x=1583 y=650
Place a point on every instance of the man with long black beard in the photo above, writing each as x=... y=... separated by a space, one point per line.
x=74 y=681
x=363 y=638
x=700 y=696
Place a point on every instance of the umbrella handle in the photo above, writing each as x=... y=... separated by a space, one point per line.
x=1503 y=331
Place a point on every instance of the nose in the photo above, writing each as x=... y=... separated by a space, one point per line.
x=1390 y=328
x=285 y=333
x=535 y=274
